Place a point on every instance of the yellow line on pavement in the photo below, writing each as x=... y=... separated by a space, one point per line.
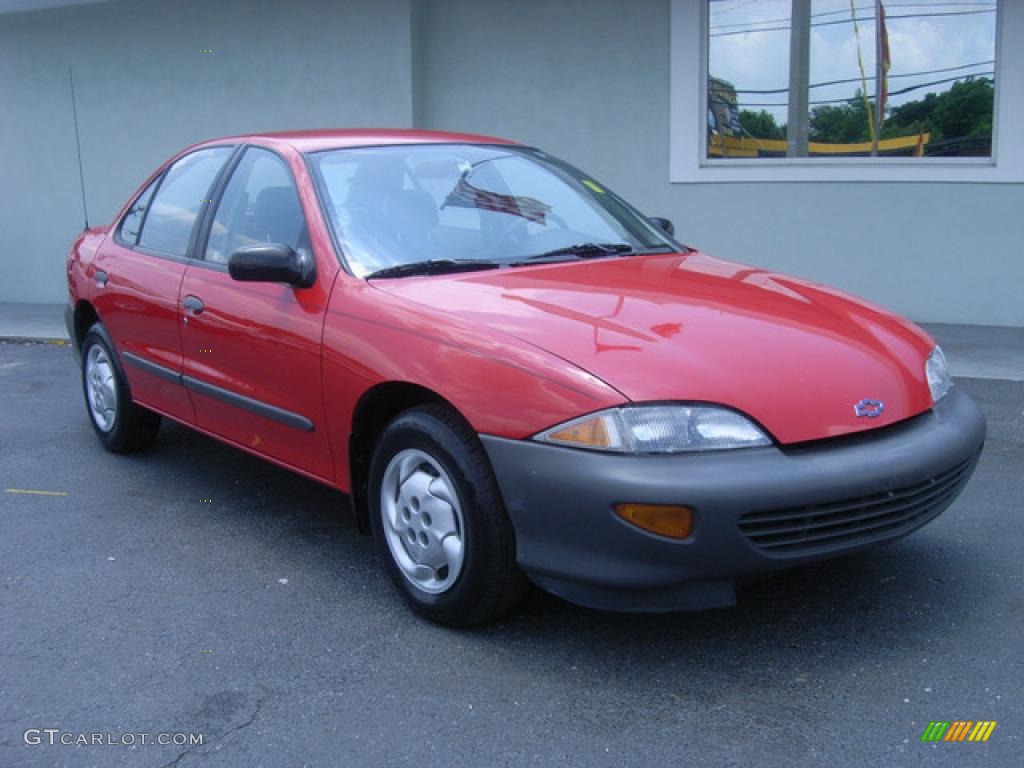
x=36 y=493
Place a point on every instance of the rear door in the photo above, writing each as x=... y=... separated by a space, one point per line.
x=138 y=274
x=252 y=350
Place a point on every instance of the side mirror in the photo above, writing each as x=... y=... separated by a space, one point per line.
x=272 y=263
x=665 y=225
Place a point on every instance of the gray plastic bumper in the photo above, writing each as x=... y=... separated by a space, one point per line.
x=755 y=510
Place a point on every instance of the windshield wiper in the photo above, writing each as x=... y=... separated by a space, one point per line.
x=579 y=251
x=433 y=267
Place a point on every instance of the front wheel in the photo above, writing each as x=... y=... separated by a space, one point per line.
x=121 y=425
x=439 y=522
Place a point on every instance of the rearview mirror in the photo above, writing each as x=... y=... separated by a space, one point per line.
x=665 y=225
x=272 y=263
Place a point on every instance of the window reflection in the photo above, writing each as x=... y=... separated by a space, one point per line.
x=886 y=79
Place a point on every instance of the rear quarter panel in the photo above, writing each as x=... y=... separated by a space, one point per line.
x=80 y=257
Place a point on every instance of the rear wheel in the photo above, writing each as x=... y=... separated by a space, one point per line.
x=121 y=425
x=439 y=522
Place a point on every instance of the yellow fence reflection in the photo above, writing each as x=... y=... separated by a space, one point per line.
x=735 y=146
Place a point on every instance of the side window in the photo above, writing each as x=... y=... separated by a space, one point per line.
x=132 y=221
x=180 y=199
x=260 y=205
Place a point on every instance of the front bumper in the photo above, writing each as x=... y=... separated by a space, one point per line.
x=755 y=510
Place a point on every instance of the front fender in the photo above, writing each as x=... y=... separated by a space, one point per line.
x=501 y=385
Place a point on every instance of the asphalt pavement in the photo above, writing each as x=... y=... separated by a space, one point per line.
x=195 y=589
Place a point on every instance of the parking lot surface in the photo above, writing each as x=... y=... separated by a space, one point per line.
x=196 y=589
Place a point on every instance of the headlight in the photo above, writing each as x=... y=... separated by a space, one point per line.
x=938 y=376
x=658 y=429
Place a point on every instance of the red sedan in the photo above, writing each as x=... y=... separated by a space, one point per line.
x=514 y=374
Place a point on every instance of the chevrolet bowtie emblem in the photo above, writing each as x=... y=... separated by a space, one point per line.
x=869 y=408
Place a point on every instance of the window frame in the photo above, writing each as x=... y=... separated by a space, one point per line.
x=688 y=162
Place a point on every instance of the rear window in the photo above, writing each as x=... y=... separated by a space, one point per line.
x=132 y=221
x=179 y=199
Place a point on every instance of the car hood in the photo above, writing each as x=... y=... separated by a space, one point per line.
x=794 y=355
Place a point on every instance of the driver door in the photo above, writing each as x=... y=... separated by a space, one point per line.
x=252 y=350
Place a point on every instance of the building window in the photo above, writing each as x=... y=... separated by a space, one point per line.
x=831 y=78
x=834 y=89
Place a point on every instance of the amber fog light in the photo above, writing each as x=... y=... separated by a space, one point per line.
x=676 y=522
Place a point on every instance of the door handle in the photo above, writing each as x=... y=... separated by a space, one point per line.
x=193 y=304
x=100 y=277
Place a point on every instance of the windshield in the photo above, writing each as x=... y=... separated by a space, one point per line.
x=403 y=205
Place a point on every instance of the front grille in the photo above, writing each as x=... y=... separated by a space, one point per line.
x=822 y=528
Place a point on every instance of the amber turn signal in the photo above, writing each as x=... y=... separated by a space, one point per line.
x=676 y=522
x=590 y=432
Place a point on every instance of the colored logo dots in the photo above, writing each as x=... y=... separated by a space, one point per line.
x=958 y=730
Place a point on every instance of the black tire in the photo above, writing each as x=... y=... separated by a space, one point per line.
x=134 y=428
x=489 y=584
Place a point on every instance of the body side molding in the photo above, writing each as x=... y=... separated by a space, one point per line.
x=296 y=420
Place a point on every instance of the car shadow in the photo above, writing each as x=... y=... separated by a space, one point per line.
x=843 y=613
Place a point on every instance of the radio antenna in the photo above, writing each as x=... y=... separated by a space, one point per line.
x=78 y=145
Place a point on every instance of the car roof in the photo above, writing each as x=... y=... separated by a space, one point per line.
x=315 y=140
